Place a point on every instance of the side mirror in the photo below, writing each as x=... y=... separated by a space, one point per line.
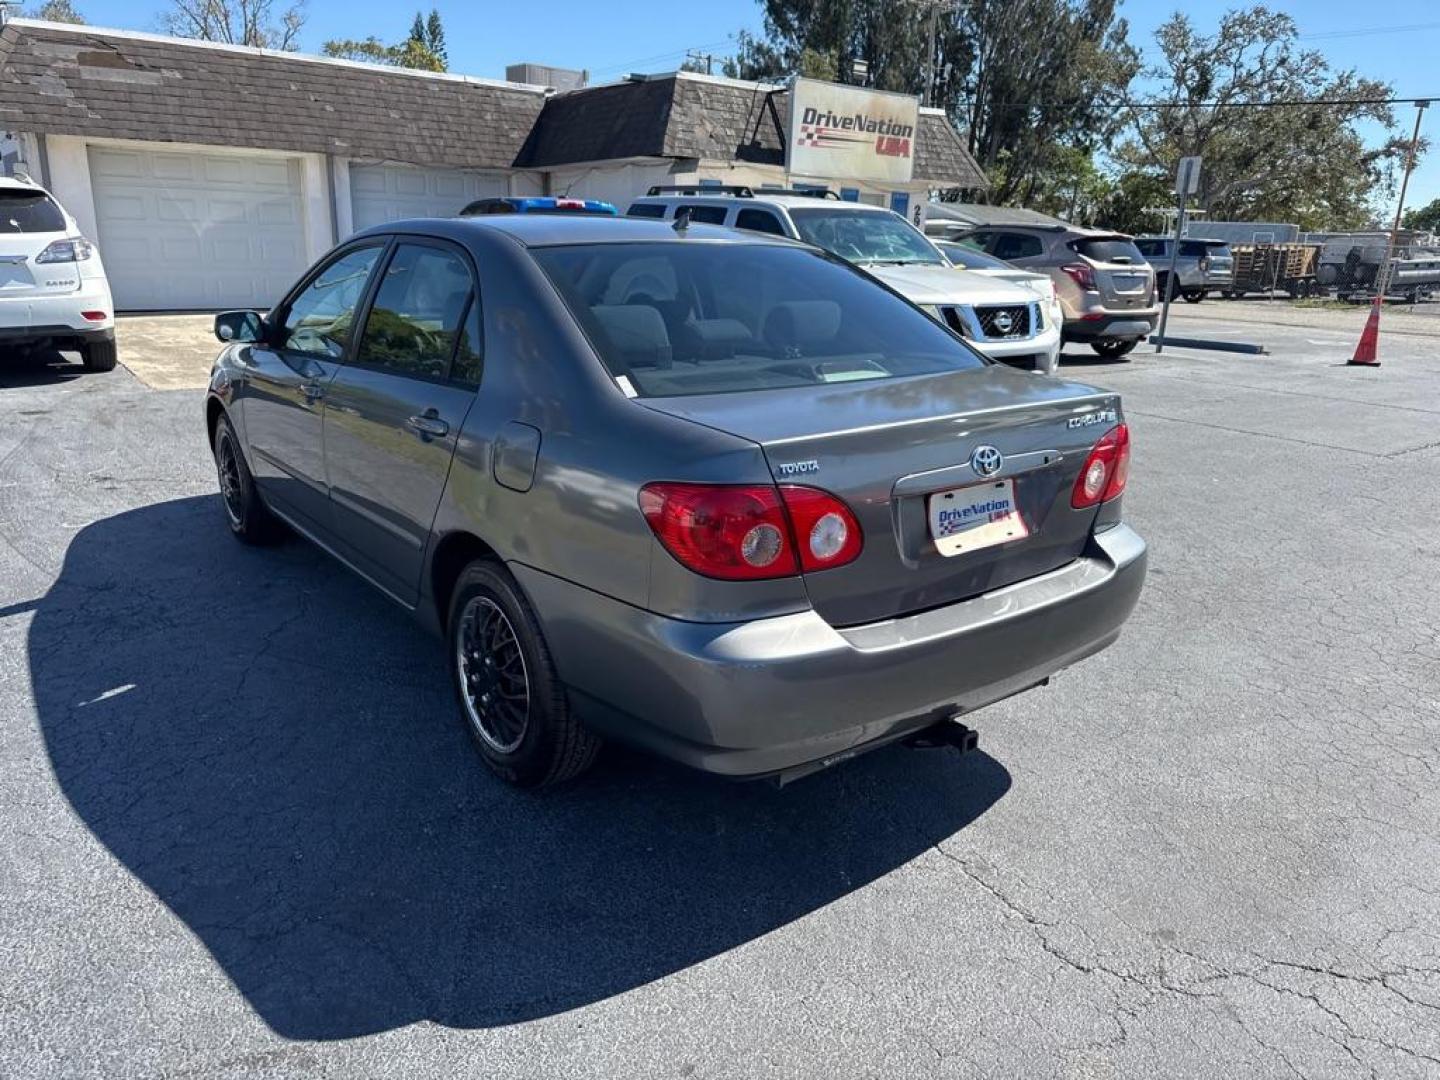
x=239 y=326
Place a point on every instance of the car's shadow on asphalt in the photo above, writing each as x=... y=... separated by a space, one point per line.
x=44 y=367
x=273 y=750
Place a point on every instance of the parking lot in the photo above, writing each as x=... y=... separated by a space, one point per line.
x=246 y=834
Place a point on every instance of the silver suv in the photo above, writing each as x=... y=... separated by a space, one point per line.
x=1105 y=286
x=1011 y=323
x=1201 y=267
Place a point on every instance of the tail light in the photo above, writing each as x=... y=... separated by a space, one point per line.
x=1205 y=264
x=826 y=532
x=751 y=532
x=62 y=251
x=1106 y=470
x=1081 y=274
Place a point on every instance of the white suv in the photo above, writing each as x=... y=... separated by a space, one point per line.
x=1005 y=321
x=53 y=289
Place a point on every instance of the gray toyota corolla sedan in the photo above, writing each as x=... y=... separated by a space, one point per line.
x=714 y=494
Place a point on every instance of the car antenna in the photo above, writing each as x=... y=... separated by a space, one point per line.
x=682 y=219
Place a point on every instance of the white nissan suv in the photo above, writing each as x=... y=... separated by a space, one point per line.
x=53 y=290
x=1005 y=321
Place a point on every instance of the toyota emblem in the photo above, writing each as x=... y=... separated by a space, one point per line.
x=1003 y=322
x=986 y=460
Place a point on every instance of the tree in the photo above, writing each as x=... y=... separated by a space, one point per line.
x=1300 y=161
x=1423 y=218
x=236 y=22
x=61 y=11
x=435 y=37
x=423 y=50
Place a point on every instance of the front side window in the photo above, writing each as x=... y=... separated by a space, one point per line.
x=319 y=320
x=416 y=318
x=677 y=318
x=865 y=236
x=25 y=211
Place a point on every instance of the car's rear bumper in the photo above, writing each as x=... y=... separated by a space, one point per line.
x=1119 y=324
x=770 y=695
x=38 y=318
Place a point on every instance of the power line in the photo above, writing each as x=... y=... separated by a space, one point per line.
x=632 y=64
x=1327 y=35
x=1306 y=103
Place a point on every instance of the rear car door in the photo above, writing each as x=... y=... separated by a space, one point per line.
x=394 y=413
x=287 y=376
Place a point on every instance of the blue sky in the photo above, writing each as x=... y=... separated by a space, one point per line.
x=1401 y=44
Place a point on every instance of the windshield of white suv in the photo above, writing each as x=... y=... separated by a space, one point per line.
x=865 y=236
x=676 y=318
x=29 y=212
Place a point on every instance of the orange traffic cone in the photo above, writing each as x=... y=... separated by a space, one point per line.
x=1366 y=353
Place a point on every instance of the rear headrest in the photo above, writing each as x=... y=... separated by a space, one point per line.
x=802 y=322
x=637 y=332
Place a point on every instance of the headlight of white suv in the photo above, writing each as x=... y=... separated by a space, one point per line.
x=63 y=251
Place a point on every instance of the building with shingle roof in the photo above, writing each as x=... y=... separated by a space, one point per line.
x=212 y=175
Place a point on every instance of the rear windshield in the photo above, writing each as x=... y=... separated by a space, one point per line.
x=865 y=236
x=689 y=317
x=29 y=212
x=1108 y=249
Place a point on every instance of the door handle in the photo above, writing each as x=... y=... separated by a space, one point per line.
x=428 y=425
x=313 y=391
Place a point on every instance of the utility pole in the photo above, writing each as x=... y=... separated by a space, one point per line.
x=1382 y=277
x=709 y=59
x=935 y=7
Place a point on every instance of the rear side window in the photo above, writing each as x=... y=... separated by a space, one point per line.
x=646 y=210
x=1194 y=249
x=1017 y=246
x=704 y=215
x=29 y=212
x=679 y=318
x=1108 y=249
x=759 y=221
x=416 y=318
x=320 y=319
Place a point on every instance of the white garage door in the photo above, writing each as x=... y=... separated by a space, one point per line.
x=194 y=230
x=381 y=193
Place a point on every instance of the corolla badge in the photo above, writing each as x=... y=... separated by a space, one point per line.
x=986 y=460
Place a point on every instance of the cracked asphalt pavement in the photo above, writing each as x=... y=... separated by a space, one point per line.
x=244 y=834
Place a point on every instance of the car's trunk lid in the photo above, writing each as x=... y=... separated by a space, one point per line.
x=887 y=447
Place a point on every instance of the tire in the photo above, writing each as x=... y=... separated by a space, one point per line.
x=100 y=355
x=1193 y=296
x=498 y=656
x=249 y=518
x=1114 y=348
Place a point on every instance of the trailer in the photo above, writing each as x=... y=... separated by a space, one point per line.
x=1269 y=268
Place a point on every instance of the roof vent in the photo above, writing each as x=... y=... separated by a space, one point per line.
x=557 y=78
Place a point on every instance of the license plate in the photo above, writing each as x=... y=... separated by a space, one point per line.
x=1128 y=282
x=970 y=518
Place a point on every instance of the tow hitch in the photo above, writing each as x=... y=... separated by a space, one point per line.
x=948 y=732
